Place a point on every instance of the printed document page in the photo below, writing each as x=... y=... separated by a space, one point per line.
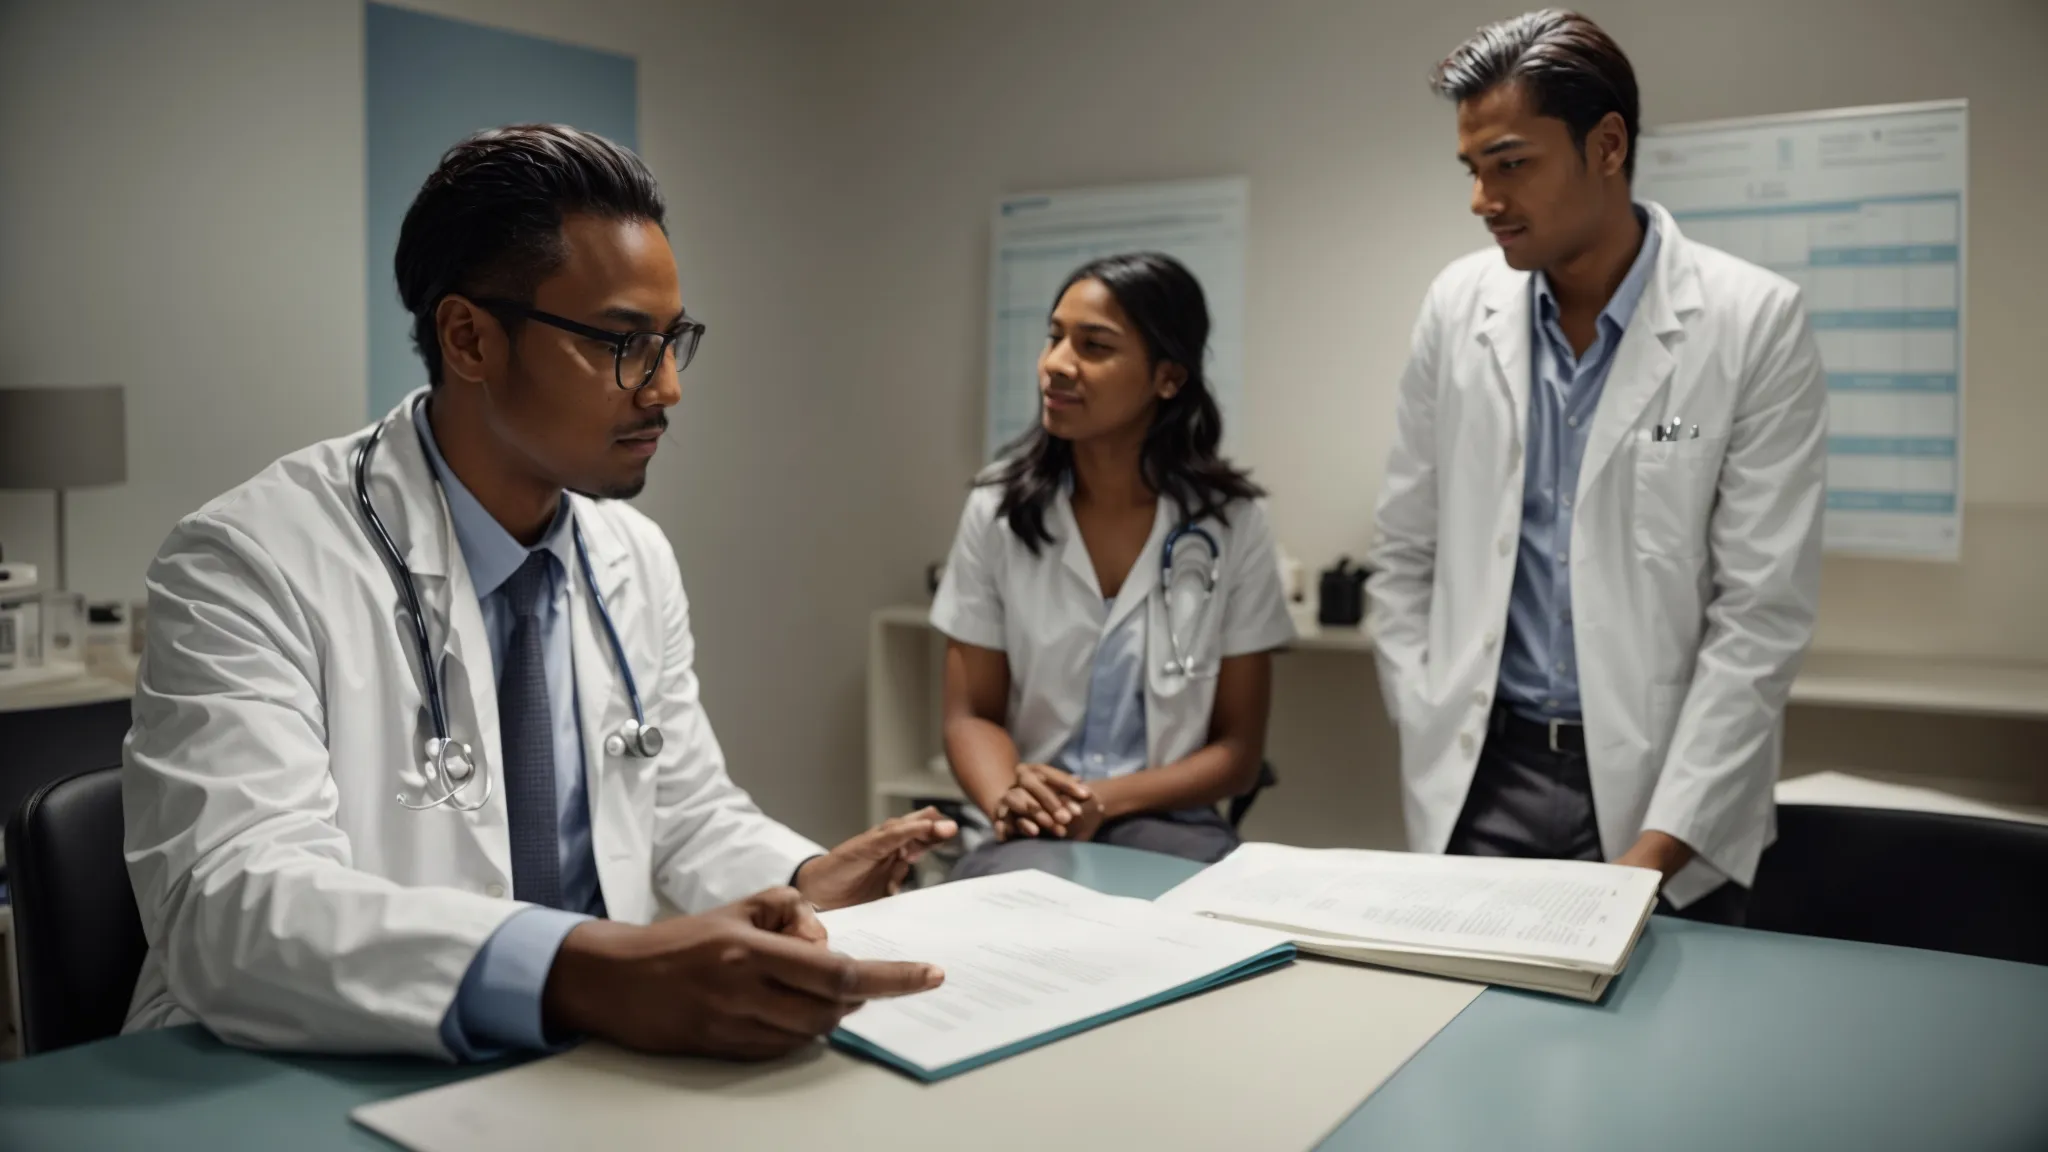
x=1029 y=958
x=1571 y=912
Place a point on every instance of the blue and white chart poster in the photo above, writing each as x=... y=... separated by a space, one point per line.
x=1865 y=209
x=1040 y=238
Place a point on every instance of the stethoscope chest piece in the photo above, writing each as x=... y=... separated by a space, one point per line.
x=449 y=767
x=635 y=738
x=459 y=763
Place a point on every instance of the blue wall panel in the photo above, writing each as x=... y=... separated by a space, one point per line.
x=427 y=83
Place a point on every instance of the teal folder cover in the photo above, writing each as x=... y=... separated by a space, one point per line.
x=1263 y=962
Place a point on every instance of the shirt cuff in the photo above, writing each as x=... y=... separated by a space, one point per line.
x=1698 y=878
x=497 y=1007
x=793 y=872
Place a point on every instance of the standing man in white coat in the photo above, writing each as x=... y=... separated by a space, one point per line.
x=1598 y=544
x=315 y=870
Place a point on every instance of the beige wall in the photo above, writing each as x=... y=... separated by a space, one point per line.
x=181 y=210
x=188 y=195
x=1356 y=202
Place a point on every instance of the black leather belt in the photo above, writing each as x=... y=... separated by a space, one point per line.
x=1555 y=736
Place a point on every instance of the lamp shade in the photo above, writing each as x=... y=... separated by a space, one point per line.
x=57 y=438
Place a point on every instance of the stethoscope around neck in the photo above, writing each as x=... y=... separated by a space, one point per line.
x=450 y=764
x=1208 y=574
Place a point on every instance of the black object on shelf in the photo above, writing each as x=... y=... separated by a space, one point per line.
x=1341 y=595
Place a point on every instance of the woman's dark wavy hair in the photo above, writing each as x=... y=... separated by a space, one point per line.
x=1179 y=459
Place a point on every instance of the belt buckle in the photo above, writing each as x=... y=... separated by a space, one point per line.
x=1554 y=726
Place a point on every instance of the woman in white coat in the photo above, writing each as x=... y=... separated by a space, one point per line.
x=1112 y=598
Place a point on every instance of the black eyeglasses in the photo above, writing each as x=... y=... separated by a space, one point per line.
x=636 y=356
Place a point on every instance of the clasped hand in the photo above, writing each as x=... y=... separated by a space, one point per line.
x=1047 y=802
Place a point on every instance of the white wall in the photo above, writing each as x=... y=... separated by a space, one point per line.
x=181 y=210
x=1356 y=202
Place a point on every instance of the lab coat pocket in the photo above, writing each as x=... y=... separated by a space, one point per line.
x=1666 y=703
x=1674 y=493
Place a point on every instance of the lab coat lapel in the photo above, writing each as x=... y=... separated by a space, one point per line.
x=1505 y=331
x=1144 y=575
x=1073 y=549
x=470 y=679
x=1645 y=361
x=602 y=706
x=402 y=481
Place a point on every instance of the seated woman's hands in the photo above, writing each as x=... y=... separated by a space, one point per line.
x=1047 y=802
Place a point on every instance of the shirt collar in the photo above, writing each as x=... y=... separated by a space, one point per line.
x=1622 y=306
x=491 y=552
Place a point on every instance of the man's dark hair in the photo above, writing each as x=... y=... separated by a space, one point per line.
x=1572 y=70
x=489 y=220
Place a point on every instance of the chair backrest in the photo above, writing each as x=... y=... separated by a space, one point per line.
x=38 y=745
x=1918 y=879
x=78 y=938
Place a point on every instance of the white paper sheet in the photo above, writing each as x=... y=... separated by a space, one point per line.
x=1026 y=956
x=1567 y=911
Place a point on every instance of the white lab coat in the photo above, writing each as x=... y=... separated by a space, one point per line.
x=1045 y=612
x=1696 y=562
x=288 y=900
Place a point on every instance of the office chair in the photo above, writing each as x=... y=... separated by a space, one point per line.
x=1241 y=806
x=38 y=745
x=1919 y=879
x=78 y=941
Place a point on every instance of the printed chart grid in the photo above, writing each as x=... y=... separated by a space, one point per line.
x=1866 y=210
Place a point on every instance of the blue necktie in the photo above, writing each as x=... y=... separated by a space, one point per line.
x=526 y=733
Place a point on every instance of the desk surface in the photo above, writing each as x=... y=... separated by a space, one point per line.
x=92 y=687
x=1713 y=1039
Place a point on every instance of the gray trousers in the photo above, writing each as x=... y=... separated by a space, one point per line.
x=1202 y=836
x=1529 y=801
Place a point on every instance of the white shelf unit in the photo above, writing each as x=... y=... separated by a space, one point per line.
x=906 y=674
x=1920 y=684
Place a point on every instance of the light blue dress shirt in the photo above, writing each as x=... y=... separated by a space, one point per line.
x=1111 y=739
x=498 y=1005
x=1539 y=669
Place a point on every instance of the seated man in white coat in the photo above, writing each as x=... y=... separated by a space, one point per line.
x=1598 y=548
x=389 y=788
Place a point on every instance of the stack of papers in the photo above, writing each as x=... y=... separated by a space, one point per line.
x=1559 y=926
x=1029 y=959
